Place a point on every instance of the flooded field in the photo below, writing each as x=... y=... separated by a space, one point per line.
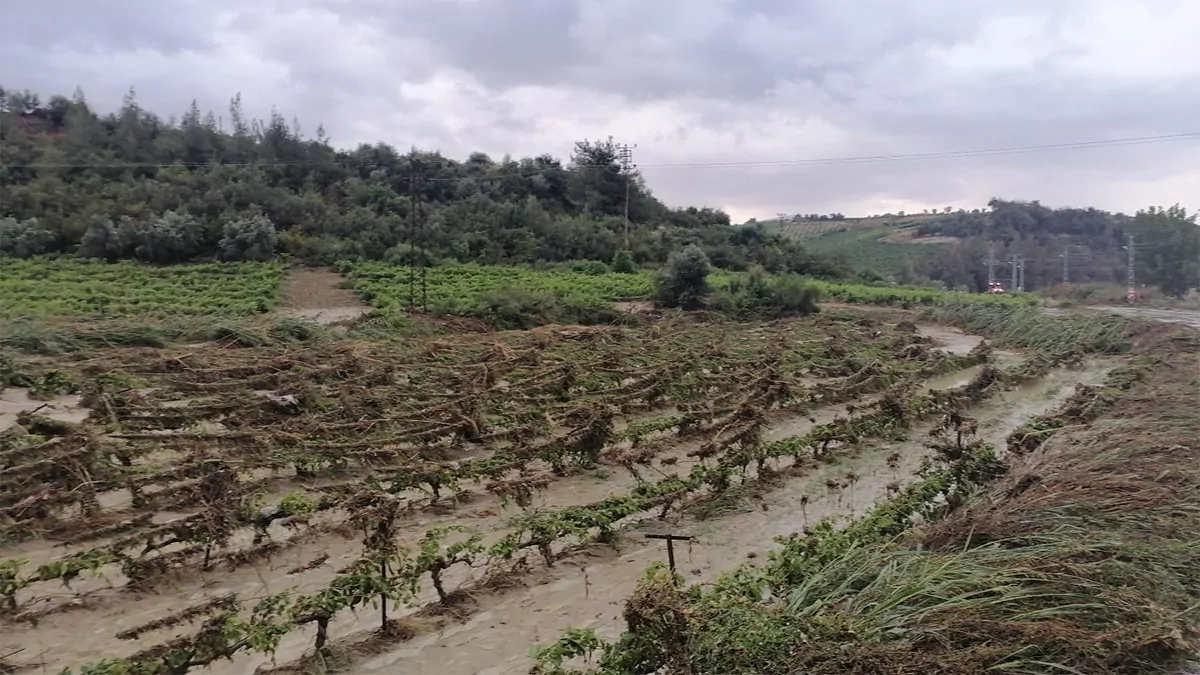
x=590 y=590
x=16 y=400
x=242 y=473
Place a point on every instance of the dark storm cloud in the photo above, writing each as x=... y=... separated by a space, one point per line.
x=691 y=81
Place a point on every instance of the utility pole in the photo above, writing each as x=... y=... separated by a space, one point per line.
x=991 y=265
x=414 y=200
x=1131 y=292
x=625 y=157
x=1066 y=256
x=1021 y=278
x=1015 y=262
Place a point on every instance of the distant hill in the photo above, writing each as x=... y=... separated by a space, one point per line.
x=807 y=227
x=953 y=248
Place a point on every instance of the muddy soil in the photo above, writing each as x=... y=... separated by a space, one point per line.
x=315 y=294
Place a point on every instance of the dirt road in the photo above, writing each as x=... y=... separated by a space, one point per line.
x=1186 y=317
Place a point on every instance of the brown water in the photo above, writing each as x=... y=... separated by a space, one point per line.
x=16 y=400
x=951 y=340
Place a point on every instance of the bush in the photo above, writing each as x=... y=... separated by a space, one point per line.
x=764 y=293
x=25 y=238
x=592 y=268
x=517 y=308
x=791 y=295
x=101 y=240
x=169 y=238
x=253 y=238
x=683 y=281
x=405 y=255
x=623 y=262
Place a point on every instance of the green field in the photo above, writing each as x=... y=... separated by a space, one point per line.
x=809 y=229
x=476 y=290
x=454 y=288
x=43 y=287
x=868 y=250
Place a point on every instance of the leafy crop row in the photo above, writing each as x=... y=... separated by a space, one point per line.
x=461 y=289
x=78 y=287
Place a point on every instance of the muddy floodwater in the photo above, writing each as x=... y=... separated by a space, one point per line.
x=589 y=591
x=586 y=589
x=15 y=400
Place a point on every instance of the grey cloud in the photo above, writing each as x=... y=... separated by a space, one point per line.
x=885 y=74
x=106 y=25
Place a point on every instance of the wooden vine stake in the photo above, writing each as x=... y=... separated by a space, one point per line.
x=671 y=539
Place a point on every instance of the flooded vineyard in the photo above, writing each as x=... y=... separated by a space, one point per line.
x=252 y=506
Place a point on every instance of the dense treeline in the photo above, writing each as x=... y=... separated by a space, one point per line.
x=1167 y=244
x=133 y=185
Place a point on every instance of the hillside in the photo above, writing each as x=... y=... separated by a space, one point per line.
x=815 y=225
x=952 y=248
x=132 y=185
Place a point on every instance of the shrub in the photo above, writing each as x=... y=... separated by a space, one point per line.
x=24 y=239
x=101 y=240
x=622 y=262
x=253 y=238
x=683 y=281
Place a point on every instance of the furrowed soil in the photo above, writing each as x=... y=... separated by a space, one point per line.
x=316 y=294
x=247 y=404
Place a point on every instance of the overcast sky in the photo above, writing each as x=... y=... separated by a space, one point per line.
x=688 y=81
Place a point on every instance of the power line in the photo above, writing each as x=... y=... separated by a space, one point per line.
x=356 y=161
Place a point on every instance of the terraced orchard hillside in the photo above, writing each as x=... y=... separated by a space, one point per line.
x=365 y=499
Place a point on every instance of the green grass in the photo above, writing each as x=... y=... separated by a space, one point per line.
x=65 y=335
x=864 y=294
x=385 y=285
x=68 y=287
x=809 y=229
x=1027 y=328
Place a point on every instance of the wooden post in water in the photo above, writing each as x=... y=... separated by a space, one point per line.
x=671 y=539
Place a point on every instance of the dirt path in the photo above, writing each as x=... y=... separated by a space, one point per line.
x=1187 y=317
x=315 y=293
x=589 y=592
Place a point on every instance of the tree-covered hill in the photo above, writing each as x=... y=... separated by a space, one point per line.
x=953 y=248
x=131 y=184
